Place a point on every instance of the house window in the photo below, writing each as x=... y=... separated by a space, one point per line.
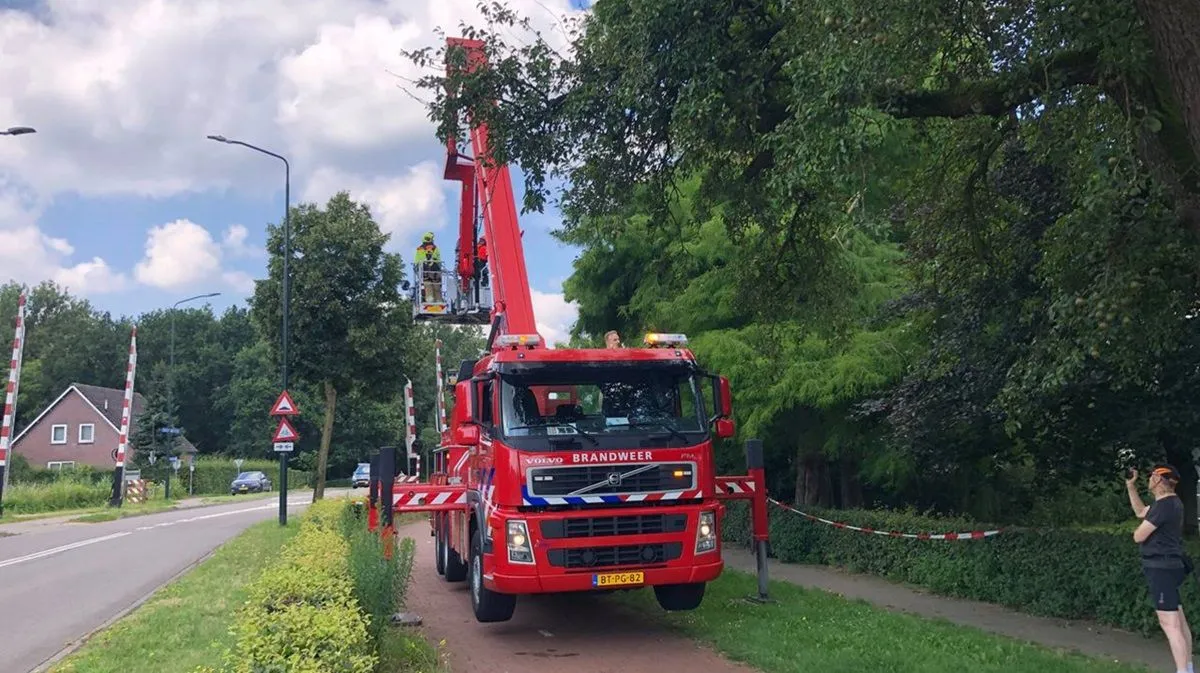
x=87 y=433
x=60 y=465
x=58 y=434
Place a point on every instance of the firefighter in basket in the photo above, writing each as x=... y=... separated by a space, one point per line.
x=429 y=262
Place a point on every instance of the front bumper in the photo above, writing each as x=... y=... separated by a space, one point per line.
x=561 y=561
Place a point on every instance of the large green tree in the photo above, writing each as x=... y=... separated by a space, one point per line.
x=349 y=322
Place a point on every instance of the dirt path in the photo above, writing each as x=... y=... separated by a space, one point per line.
x=548 y=634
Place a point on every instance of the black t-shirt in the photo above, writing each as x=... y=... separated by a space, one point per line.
x=1164 y=547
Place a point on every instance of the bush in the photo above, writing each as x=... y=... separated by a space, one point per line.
x=301 y=615
x=1065 y=573
x=213 y=475
x=377 y=580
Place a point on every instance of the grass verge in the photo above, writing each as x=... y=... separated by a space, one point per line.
x=811 y=630
x=185 y=624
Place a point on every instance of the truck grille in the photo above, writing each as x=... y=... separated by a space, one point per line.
x=625 y=555
x=604 y=526
x=660 y=477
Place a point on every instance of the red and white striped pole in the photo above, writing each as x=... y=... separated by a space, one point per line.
x=10 y=396
x=440 y=400
x=118 y=490
x=410 y=427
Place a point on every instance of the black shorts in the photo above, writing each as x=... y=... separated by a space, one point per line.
x=1164 y=586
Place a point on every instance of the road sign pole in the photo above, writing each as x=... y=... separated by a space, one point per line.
x=285 y=435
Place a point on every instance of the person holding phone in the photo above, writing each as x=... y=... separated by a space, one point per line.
x=1164 y=562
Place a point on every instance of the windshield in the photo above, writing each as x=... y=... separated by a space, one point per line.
x=566 y=405
x=247 y=475
x=363 y=468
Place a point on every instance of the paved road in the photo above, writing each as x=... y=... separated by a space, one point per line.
x=59 y=583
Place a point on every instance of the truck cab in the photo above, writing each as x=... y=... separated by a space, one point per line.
x=593 y=470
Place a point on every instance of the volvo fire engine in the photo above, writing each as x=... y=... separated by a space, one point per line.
x=564 y=470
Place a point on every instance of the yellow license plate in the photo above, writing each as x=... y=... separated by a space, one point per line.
x=618 y=579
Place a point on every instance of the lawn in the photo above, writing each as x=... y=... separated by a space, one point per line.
x=808 y=630
x=186 y=623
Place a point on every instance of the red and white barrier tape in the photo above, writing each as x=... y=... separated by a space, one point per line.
x=969 y=535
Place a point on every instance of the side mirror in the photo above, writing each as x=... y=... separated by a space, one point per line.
x=722 y=398
x=725 y=428
x=466 y=434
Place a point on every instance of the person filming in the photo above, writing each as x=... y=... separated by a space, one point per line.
x=1164 y=563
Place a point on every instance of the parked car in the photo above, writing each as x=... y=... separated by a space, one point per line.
x=250 y=482
x=362 y=476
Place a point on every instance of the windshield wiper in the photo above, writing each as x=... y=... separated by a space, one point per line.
x=671 y=429
x=581 y=433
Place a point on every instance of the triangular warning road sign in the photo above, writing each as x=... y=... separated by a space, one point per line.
x=284 y=406
x=285 y=432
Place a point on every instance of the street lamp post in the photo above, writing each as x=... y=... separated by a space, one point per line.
x=287 y=299
x=171 y=367
x=17 y=131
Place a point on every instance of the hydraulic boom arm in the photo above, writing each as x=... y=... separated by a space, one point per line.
x=490 y=186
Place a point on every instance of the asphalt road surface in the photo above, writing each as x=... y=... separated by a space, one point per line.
x=61 y=582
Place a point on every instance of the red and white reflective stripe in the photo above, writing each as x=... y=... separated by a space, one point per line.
x=14 y=382
x=735 y=485
x=127 y=405
x=410 y=419
x=419 y=498
x=407 y=479
x=439 y=401
x=969 y=535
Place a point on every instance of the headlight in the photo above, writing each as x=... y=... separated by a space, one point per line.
x=706 y=533
x=519 y=549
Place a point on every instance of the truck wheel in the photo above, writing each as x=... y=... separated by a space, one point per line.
x=454 y=570
x=679 y=597
x=439 y=553
x=488 y=605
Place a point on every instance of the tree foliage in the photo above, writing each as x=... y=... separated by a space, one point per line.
x=349 y=323
x=945 y=248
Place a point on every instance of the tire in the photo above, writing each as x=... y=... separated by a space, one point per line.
x=487 y=605
x=453 y=567
x=679 y=597
x=438 y=541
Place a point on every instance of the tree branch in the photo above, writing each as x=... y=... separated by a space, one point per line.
x=997 y=96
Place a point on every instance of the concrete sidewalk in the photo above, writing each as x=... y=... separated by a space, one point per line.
x=1080 y=636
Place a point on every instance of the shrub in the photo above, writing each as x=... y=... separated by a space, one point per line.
x=376 y=579
x=301 y=615
x=213 y=475
x=1065 y=573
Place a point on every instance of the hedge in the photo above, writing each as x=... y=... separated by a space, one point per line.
x=301 y=614
x=1069 y=574
x=213 y=475
x=325 y=602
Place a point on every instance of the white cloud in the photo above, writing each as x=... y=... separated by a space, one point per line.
x=123 y=93
x=183 y=254
x=178 y=254
x=555 y=316
x=234 y=242
x=403 y=205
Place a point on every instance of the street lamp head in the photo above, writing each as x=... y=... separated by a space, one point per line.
x=220 y=139
x=18 y=131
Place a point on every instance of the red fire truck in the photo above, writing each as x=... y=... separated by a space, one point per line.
x=565 y=470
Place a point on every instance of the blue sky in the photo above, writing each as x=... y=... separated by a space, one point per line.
x=119 y=195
